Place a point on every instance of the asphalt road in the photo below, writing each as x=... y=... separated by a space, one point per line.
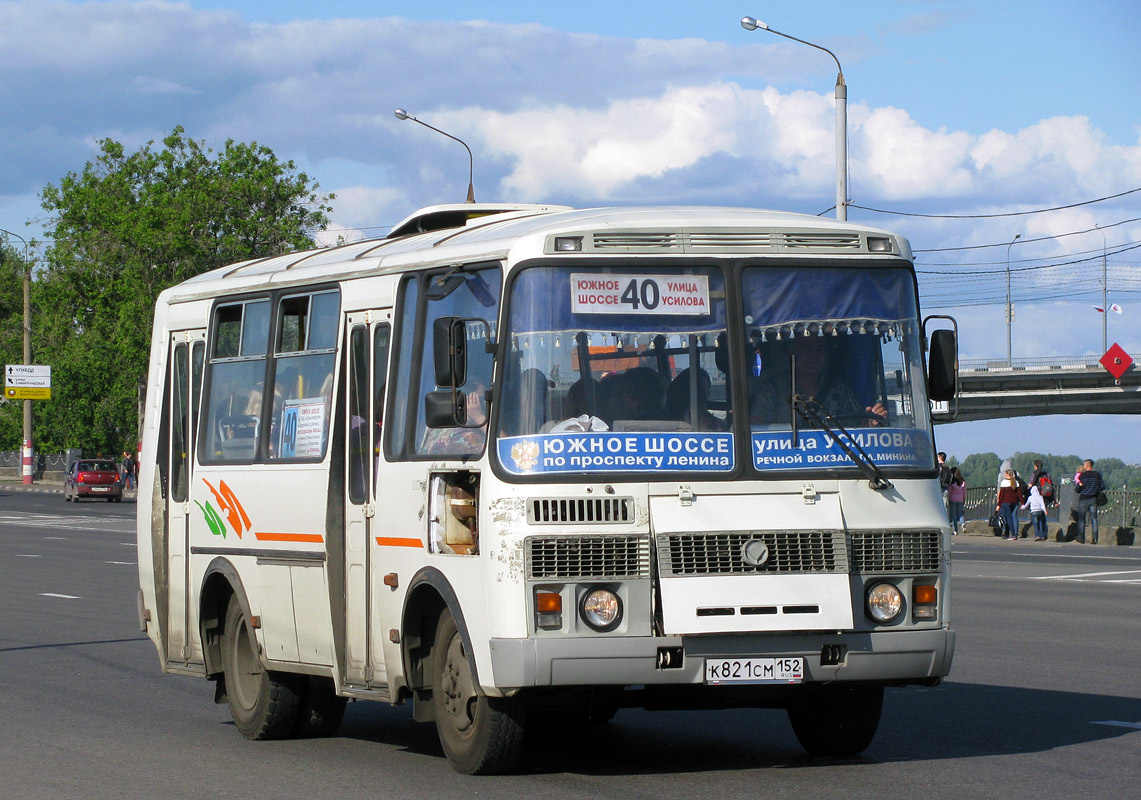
x=1044 y=700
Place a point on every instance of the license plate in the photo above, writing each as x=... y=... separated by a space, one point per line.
x=754 y=670
x=100 y=488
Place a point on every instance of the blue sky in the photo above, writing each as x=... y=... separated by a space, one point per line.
x=956 y=107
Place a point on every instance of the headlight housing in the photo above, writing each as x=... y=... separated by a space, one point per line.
x=601 y=608
x=884 y=602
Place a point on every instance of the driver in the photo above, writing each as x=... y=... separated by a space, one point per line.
x=819 y=376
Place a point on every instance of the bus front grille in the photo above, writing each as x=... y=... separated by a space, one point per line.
x=724 y=553
x=587 y=557
x=563 y=510
x=895 y=551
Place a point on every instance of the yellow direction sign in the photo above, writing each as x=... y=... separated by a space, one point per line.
x=28 y=393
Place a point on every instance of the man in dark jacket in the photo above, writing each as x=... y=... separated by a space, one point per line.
x=1089 y=484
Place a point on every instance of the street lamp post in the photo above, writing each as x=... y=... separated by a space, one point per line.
x=401 y=114
x=752 y=24
x=27 y=452
x=1009 y=307
x=1104 y=296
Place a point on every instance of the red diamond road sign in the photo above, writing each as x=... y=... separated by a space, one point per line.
x=1117 y=361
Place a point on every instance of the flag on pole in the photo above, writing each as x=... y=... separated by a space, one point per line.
x=1115 y=308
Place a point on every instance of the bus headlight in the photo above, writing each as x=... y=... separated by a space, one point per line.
x=884 y=602
x=601 y=609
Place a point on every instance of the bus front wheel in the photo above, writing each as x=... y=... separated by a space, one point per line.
x=836 y=719
x=264 y=704
x=480 y=735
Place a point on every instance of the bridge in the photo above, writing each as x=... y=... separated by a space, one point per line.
x=995 y=389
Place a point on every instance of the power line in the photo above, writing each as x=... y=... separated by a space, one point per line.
x=1034 y=268
x=1094 y=229
x=995 y=216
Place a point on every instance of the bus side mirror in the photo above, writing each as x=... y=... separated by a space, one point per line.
x=942 y=365
x=449 y=351
x=445 y=408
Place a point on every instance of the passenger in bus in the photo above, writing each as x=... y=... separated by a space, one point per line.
x=820 y=375
x=635 y=393
x=678 y=400
x=524 y=401
x=580 y=411
x=461 y=441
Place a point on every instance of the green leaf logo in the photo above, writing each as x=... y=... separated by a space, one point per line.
x=213 y=519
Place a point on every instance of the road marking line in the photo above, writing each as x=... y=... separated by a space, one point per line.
x=27 y=555
x=61 y=596
x=125 y=563
x=1051 y=554
x=1118 y=723
x=56 y=538
x=1087 y=575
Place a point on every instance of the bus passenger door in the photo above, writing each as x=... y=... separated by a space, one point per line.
x=187 y=349
x=367 y=347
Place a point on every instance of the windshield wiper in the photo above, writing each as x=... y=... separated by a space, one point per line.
x=811 y=410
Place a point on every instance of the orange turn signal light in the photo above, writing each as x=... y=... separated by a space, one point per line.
x=924 y=594
x=548 y=602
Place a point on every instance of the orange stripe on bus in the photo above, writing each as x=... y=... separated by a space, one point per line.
x=289 y=537
x=386 y=541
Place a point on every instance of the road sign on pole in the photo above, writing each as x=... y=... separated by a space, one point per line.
x=1117 y=361
x=28 y=392
x=28 y=375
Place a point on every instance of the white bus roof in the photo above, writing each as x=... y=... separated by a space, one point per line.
x=465 y=232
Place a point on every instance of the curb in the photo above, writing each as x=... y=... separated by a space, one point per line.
x=49 y=488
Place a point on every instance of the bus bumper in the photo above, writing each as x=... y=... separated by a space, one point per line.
x=914 y=656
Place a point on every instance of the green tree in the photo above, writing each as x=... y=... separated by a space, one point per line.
x=122 y=230
x=980 y=469
x=12 y=269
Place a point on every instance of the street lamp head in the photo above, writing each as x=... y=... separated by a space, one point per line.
x=751 y=24
x=1018 y=236
x=401 y=114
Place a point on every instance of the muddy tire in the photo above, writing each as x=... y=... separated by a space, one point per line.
x=264 y=704
x=480 y=735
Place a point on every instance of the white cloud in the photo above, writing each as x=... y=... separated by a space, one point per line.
x=356 y=211
x=153 y=85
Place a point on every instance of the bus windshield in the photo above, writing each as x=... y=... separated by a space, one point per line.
x=834 y=350
x=630 y=370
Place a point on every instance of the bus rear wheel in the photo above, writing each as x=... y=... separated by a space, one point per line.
x=264 y=704
x=480 y=735
x=836 y=719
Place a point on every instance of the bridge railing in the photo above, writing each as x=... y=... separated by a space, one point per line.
x=1123 y=508
x=1036 y=363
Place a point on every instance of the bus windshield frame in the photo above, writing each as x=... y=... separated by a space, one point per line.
x=646 y=415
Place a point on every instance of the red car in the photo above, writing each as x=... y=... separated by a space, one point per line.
x=92 y=478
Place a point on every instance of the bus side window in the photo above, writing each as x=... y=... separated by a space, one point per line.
x=303 y=362
x=236 y=378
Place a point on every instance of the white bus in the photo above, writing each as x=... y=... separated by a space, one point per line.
x=514 y=462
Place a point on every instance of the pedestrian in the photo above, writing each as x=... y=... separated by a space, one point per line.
x=1044 y=482
x=1089 y=484
x=1037 y=508
x=128 y=471
x=944 y=478
x=1009 y=499
x=956 y=497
